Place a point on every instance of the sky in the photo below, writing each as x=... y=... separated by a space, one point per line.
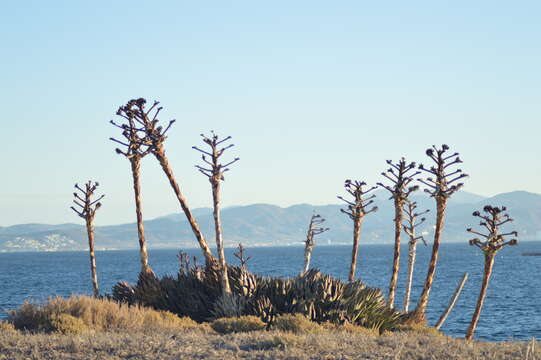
x=312 y=92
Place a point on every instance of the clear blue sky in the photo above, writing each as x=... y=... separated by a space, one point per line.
x=313 y=92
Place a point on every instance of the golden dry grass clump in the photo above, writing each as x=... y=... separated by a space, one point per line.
x=7 y=328
x=237 y=324
x=79 y=314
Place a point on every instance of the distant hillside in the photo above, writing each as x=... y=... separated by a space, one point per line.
x=268 y=225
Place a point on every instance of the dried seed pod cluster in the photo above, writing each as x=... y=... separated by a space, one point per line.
x=440 y=182
x=493 y=240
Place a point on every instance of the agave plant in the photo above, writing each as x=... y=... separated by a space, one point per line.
x=197 y=293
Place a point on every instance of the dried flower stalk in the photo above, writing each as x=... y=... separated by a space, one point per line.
x=490 y=244
x=409 y=228
x=215 y=173
x=400 y=176
x=357 y=209
x=441 y=185
x=86 y=209
x=314 y=228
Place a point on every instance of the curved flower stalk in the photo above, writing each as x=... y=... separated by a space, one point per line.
x=154 y=138
x=314 y=228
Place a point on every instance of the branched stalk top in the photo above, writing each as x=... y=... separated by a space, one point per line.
x=142 y=132
x=400 y=180
x=493 y=240
x=411 y=224
x=212 y=157
x=441 y=182
x=86 y=207
x=240 y=254
x=315 y=227
x=315 y=224
x=358 y=207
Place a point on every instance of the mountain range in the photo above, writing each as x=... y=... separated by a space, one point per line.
x=271 y=225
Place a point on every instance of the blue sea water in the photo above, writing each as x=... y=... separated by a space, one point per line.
x=512 y=307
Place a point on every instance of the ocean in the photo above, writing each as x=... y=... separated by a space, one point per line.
x=512 y=309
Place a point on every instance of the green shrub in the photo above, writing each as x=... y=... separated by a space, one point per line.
x=296 y=323
x=239 y=324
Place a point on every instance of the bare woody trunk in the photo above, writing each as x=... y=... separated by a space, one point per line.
x=452 y=303
x=489 y=263
x=93 y=272
x=309 y=245
x=396 y=259
x=420 y=311
x=143 y=254
x=411 y=264
x=219 y=240
x=159 y=153
x=356 y=234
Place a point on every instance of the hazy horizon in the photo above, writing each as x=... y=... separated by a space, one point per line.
x=100 y=221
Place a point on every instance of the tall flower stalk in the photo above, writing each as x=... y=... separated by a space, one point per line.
x=314 y=228
x=400 y=176
x=410 y=229
x=441 y=185
x=490 y=244
x=154 y=138
x=86 y=209
x=215 y=173
x=134 y=149
x=357 y=209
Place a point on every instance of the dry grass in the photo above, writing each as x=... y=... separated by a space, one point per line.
x=6 y=327
x=194 y=344
x=80 y=314
x=419 y=329
x=85 y=328
x=296 y=323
